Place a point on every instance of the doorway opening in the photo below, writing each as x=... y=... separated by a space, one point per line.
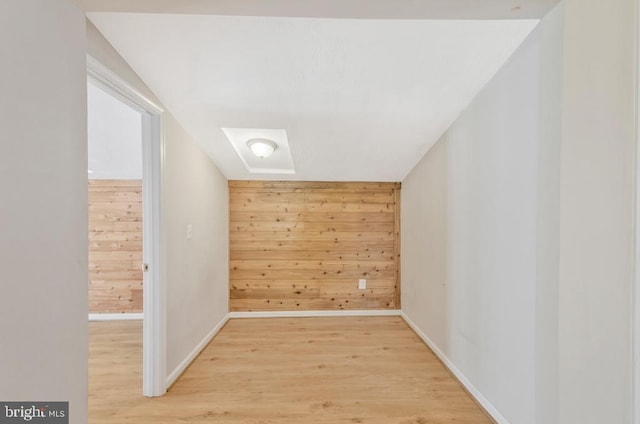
x=115 y=207
x=126 y=237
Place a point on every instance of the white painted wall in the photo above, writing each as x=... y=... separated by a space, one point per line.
x=477 y=197
x=548 y=209
x=539 y=238
x=425 y=290
x=596 y=212
x=198 y=269
x=491 y=267
x=43 y=211
x=197 y=194
x=115 y=137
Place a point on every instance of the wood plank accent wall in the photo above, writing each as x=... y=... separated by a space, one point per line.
x=304 y=245
x=115 y=246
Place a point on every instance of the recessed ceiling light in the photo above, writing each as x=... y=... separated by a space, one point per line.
x=280 y=162
x=261 y=147
x=89 y=171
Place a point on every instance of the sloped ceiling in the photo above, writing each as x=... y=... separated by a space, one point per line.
x=360 y=99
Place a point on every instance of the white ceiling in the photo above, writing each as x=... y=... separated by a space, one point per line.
x=114 y=137
x=358 y=9
x=360 y=99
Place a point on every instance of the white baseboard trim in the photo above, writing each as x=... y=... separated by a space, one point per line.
x=479 y=397
x=176 y=373
x=306 y=314
x=115 y=317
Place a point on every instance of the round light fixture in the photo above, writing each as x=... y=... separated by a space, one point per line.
x=261 y=147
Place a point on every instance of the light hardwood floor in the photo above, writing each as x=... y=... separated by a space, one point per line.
x=283 y=370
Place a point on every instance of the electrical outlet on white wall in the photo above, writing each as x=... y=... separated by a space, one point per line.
x=362 y=284
x=189 y=231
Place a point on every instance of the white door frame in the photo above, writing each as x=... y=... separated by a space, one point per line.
x=154 y=375
x=635 y=297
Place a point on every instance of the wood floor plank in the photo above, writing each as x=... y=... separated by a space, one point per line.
x=335 y=370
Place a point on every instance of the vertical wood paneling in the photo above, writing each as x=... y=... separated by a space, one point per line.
x=115 y=246
x=305 y=245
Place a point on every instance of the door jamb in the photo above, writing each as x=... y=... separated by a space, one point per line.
x=635 y=290
x=154 y=244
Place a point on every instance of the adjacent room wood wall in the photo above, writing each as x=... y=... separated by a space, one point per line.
x=305 y=245
x=115 y=246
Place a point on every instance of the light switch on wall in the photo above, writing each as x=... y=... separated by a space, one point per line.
x=189 y=231
x=362 y=284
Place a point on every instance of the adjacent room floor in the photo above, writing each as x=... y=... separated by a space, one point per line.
x=283 y=370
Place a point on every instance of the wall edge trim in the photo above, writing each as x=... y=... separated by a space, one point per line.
x=473 y=391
